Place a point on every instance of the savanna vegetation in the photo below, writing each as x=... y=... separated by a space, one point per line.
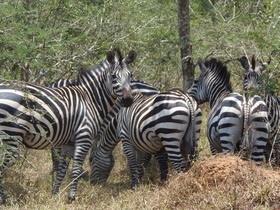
x=41 y=41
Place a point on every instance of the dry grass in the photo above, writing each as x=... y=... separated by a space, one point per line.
x=220 y=182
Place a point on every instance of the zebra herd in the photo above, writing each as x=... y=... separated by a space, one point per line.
x=106 y=105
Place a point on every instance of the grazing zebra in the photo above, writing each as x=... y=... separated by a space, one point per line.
x=252 y=80
x=166 y=122
x=41 y=117
x=234 y=122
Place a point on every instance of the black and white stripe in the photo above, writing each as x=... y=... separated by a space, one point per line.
x=56 y=151
x=235 y=123
x=252 y=80
x=41 y=117
x=166 y=122
x=137 y=86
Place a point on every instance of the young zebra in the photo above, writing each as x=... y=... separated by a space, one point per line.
x=166 y=122
x=252 y=80
x=234 y=122
x=41 y=117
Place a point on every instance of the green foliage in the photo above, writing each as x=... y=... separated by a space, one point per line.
x=55 y=38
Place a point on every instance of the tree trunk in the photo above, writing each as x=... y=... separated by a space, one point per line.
x=184 y=42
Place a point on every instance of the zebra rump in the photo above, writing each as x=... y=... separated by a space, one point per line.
x=166 y=122
x=252 y=79
x=235 y=121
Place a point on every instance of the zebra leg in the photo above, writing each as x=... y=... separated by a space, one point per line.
x=259 y=139
x=277 y=153
x=173 y=150
x=140 y=157
x=258 y=129
x=56 y=155
x=9 y=151
x=2 y=195
x=162 y=159
x=81 y=150
x=132 y=164
x=67 y=154
x=146 y=159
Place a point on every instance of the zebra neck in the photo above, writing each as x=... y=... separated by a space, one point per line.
x=218 y=98
x=97 y=93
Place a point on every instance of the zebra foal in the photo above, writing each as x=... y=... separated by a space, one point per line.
x=252 y=80
x=235 y=123
x=42 y=117
x=166 y=122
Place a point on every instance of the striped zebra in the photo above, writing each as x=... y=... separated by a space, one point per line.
x=235 y=123
x=252 y=80
x=167 y=122
x=41 y=117
x=137 y=86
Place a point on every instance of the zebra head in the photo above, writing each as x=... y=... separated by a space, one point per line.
x=101 y=166
x=252 y=73
x=120 y=76
x=214 y=80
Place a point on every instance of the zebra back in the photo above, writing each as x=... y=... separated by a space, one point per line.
x=62 y=83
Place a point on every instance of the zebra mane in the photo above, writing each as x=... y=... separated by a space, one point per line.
x=220 y=70
x=97 y=70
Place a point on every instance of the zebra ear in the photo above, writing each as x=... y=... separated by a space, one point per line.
x=263 y=65
x=201 y=65
x=244 y=63
x=111 y=57
x=131 y=57
x=114 y=56
x=118 y=55
x=253 y=62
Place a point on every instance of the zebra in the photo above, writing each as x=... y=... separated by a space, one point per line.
x=40 y=117
x=168 y=122
x=137 y=86
x=235 y=123
x=252 y=80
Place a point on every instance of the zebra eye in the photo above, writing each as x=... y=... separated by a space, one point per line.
x=113 y=76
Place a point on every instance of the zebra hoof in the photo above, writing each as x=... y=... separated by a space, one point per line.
x=71 y=198
x=133 y=186
x=2 y=199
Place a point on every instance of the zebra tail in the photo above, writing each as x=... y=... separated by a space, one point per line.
x=189 y=140
x=245 y=144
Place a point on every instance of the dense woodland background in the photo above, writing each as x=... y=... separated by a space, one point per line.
x=41 y=41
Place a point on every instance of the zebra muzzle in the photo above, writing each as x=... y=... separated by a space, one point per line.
x=127 y=98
